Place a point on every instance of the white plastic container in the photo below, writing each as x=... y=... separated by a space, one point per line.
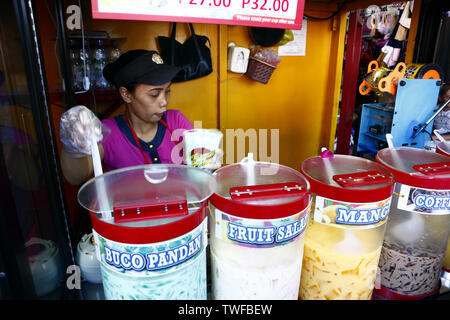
x=200 y=145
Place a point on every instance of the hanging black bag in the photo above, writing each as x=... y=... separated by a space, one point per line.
x=193 y=56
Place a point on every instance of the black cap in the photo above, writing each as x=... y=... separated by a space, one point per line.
x=139 y=66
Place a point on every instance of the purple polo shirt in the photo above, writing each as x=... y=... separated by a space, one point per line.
x=122 y=151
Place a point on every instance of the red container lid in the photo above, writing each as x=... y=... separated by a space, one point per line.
x=348 y=178
x=417 y=167
x=149 y=203
x=443 y=147
x=260 y=190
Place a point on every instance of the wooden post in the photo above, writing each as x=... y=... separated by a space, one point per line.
x=349 y=86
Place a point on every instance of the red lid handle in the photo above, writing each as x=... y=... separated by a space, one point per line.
x=433 y=169
x=167 y=209
x=149 y=234
x=267 y=191
x=361 y=178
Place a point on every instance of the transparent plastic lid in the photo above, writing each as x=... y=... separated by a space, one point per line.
x=409 y=166
x=146 y=184
x=325 y=169
x=443 y=147
x=348 y=178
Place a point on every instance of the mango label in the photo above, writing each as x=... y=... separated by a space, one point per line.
x=345 y=213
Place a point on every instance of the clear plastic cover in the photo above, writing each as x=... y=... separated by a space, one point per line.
x=403 y=159
x=444 y=146
x=323 y=170
x=145 y=184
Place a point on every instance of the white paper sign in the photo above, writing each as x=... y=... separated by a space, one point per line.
x=296 y=47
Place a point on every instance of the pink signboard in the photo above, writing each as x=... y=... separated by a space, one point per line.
x=285 y=14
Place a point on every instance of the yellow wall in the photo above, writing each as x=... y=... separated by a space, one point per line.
x=296 y=100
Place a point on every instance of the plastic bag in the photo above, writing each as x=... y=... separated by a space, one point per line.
x=269 y=55
x=77 y=125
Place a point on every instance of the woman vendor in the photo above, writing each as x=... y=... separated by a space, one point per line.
x=146 y=133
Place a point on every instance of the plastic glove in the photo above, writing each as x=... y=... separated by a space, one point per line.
x=77 y=125
x=215 y=165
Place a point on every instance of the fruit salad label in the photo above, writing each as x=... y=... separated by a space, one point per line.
x=259 y=233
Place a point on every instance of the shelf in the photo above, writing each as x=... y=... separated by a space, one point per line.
x=100 y=95
x=92 y=35
x=380 y=106
x=374 y=136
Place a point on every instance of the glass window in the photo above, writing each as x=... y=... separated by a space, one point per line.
x=33 y=263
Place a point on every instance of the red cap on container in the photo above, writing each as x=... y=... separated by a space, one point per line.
x=260 y=190
x=150 y=203
x=443 y=147
x=149 y=234
x=348 y=178
x=409 y=166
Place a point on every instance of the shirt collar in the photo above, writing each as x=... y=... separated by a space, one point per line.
x=157 y=140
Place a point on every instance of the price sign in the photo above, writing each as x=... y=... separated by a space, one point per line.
x=286 y=14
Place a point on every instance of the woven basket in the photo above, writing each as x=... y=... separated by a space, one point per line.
x=259 y=70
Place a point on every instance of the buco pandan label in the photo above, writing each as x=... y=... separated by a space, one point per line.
x=201 y=156
x=426 y=201
x=346 y=213
x=138 y=258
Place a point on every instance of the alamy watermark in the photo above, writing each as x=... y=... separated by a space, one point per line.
x=264 y=144
x=73 y=280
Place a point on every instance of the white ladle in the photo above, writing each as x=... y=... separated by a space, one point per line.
x=350 y=245
x=389 y=138
x=410 y=230
x=436 y=133
x=250 y=166
x=102 y=196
